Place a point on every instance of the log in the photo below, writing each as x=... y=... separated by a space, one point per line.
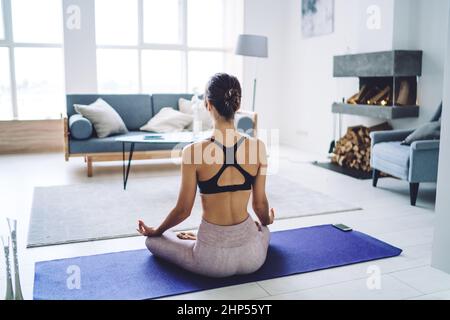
x=353 y=149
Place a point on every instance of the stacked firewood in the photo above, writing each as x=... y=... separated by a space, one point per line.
x=353 y=149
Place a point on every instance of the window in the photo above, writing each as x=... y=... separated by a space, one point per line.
x=162 y=21
x=5 y=87
x=144 y=46
x=202 y=65
x=2 y=23
x=162 y=71
x=39 y=82
x=37 y=21
x=117 y=70
x=157 y=46
x=31 y=59
x=206 y=23
x=116 y=22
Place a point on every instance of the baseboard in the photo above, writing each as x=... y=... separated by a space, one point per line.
x=31 y=136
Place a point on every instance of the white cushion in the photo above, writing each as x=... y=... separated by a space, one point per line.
x=104 y=118
x=188 y=106
x=168 y=120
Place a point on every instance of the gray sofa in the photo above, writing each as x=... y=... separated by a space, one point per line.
x=136 y=110
x=415 y=163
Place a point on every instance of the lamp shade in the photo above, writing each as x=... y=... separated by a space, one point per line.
x=252 y=46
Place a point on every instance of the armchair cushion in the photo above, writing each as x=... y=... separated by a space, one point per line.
x=424 y=161
x=426 y=145
x=428 y=131
x=437 y=114
x=80 y=128
x=392 y=158
x=389 y=136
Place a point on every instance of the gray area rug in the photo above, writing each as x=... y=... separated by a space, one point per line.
x=98 y=211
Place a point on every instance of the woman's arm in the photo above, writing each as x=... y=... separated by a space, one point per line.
x=185 y=200
x=260 y=203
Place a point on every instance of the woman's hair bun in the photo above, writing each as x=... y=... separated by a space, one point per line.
x=224 y=92
x=232 y=99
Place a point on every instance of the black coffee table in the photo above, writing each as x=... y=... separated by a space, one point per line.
x=178 y=138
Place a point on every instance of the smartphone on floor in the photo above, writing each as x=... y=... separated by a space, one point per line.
x=342 y=227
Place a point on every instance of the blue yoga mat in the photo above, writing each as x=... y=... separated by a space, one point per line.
x=139 y=275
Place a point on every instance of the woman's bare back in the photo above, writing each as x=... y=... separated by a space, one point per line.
x=227 y=208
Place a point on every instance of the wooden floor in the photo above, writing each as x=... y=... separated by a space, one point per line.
x=386 y=215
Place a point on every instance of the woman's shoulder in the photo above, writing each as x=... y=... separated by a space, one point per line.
x=196 y=144
x=255 y=149
x=199 y=144
x=252 y=143
x=255 y=142
x=193 y=150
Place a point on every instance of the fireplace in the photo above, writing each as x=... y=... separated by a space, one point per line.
x=387 y=90
x=379 y=91
x=387 y=84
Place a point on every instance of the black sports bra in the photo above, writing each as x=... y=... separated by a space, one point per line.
x=211 y=186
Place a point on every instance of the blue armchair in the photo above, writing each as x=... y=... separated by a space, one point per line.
x=416 y=163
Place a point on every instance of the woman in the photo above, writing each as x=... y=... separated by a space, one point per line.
x=227 y=168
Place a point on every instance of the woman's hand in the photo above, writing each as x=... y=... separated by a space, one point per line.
x=267 y=222
x=271 y=216
x=147 y=231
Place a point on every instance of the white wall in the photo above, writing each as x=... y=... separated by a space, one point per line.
x=266 y=17
x=309 y=86
x=422 y=25
x=80 y=46
x=298 y=87
x=441 y=243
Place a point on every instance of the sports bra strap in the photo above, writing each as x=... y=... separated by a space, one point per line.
x=213 y=140
x=236 y=146
x=224 y=148
x=211 y=186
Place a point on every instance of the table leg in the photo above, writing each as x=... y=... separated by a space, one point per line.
x=129 y=165
x=123 y=164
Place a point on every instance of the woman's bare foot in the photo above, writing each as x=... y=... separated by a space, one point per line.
x=186 y=236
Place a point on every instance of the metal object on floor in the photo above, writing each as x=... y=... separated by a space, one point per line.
x=12 y=224
x=9 y=287
x=332 y=146
x=126 y=169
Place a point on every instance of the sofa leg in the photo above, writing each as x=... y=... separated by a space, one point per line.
x=89 y=166
x=413 y=191
x=375 y=176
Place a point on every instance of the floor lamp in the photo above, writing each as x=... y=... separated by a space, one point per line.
x=250 y=45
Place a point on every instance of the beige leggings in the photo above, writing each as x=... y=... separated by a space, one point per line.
x=219 y=251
